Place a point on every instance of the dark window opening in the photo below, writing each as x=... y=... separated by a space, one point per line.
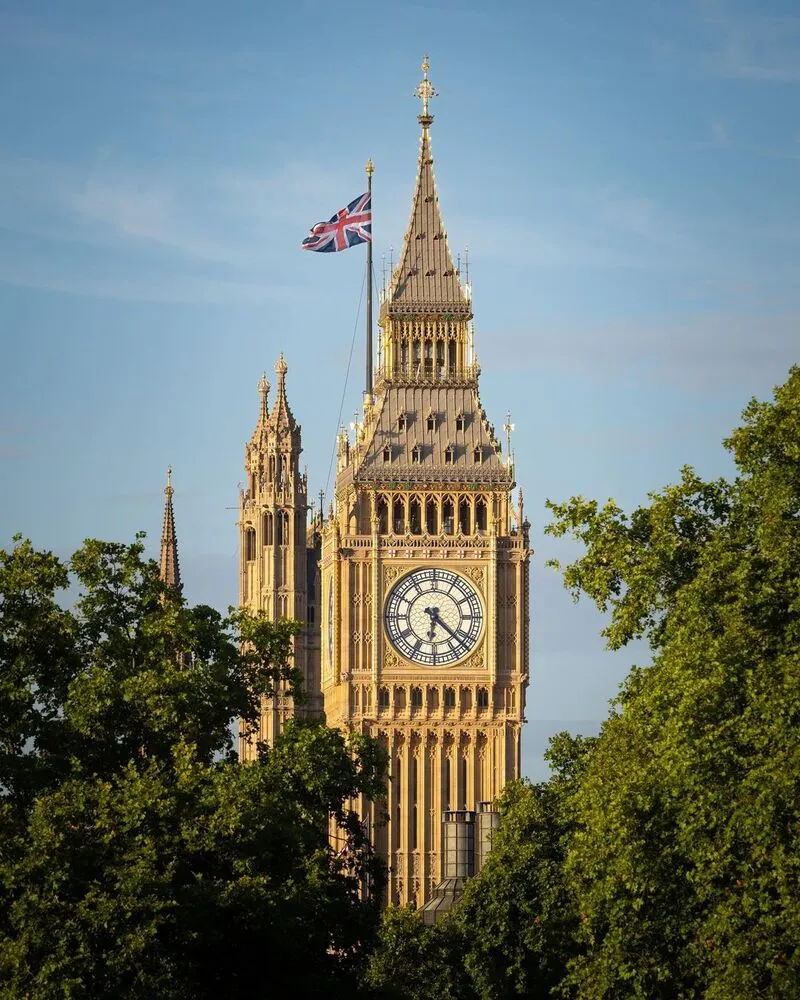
x=415 y=517
x=430 y=517
x=399 y=517
x=464 y=518
x=480 y=515
x=250 y=544
x=447 y=517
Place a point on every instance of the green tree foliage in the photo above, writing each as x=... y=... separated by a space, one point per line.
x=685 y=864
x=515 y=928
x=412 y=961
x=137 y=857
x=517 y=918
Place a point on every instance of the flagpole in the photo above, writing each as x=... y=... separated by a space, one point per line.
x=368 y=388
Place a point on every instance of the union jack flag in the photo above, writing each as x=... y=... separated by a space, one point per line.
x=349 y=227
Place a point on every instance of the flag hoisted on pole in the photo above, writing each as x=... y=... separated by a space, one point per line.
x=368 y=387
x=347 y=228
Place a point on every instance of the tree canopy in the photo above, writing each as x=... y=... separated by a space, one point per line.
x=661 y=860
x=137 y=857
x=685 y=864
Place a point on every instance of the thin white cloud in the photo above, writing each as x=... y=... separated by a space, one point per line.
x=707 y=349
x=753 y=46
x=166 y=288
x=139 y=210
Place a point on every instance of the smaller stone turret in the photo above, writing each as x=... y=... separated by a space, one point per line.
x=278 y=562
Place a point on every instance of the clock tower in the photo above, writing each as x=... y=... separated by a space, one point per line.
x=424 y=569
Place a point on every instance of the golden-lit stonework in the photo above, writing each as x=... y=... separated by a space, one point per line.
x=421 y=603
x=278 y=553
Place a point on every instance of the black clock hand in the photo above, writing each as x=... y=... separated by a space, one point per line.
x=433 y=614
x=435 y=617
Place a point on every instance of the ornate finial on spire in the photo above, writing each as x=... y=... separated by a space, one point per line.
x=281 y=368
x=168 y=490
x=425 y=91
x=508 y=427
x=263 y=391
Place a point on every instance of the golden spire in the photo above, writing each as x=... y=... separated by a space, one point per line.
x=169 y=567
x=281 y=414
x=426 y=280
x=425 y=91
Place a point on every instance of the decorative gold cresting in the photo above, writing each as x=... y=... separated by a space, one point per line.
x=425 y=91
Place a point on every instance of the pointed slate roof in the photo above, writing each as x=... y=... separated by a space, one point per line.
x=169 y=566
x=425 y=279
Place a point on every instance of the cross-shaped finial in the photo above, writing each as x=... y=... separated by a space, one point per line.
x=425 y=91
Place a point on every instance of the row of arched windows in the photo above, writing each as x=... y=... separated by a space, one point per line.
x=419 y=451
x=426 y=359
x=450 y=697
x=275 y=530
x=432 y=515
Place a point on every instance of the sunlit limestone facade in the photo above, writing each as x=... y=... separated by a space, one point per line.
x=424 y=569
x=414 y=587
x=279 y=553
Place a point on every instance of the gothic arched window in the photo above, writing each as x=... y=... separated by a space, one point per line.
x=383 y=516
x=448 y=518
x=480 y=515
x=430 y=517
x=464 y=518
x=399 y=516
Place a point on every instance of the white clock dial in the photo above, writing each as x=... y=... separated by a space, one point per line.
x=433 y=617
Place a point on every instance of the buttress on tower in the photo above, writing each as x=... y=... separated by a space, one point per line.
x=422 y=589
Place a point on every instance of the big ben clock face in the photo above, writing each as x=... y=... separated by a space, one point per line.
x=433 y=617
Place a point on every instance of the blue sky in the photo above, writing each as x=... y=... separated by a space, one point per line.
x=624 y=175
